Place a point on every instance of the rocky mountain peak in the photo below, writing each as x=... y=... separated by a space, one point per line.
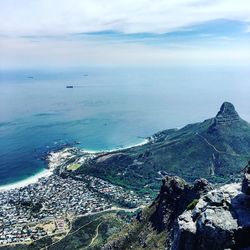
x=227 y=113
x=226 y=116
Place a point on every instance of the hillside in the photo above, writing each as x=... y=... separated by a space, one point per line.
x=89 y=232
x=215 y=149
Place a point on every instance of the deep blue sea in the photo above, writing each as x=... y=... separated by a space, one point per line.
x=107 y=108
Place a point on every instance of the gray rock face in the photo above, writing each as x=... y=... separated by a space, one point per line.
x=174 y=196
x=191 y=217
x=220 y=220
x=227 y=113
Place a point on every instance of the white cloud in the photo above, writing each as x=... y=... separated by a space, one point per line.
x=29 y=17
x=58 y=18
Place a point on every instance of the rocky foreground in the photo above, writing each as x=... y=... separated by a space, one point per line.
x=192 y=217
x=220 y=220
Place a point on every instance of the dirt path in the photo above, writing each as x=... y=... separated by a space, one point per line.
x=219 y=151
x=96 y=234
x=211 y=145
x=68 y=233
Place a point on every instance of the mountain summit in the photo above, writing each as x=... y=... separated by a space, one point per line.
x=215 y=149
x=227 y=113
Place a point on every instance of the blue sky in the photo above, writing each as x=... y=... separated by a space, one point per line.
x=124 y=32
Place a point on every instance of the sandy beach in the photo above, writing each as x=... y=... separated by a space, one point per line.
x=54 y=160
x=145 y=141
x=31 y=180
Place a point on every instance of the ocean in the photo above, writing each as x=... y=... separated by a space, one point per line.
x=108 y=108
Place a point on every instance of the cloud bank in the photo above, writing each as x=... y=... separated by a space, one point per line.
x=29 y=17
x=127 y=32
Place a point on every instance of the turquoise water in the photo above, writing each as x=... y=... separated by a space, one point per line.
x=108 y=108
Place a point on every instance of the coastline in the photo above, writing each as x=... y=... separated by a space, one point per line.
x=145 y=141
x=30 y=180
x=54 y=160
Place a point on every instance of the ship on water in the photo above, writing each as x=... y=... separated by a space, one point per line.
x=69 y=86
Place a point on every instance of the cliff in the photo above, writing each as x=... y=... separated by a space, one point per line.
x=154 y=226
x=220 y=220
x=191 y=217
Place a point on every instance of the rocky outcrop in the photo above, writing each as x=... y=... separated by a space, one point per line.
x=174 y=198
x=159 y=218
x=175 y=195
x=191 y=217
x=220 y=220
x=227 y=114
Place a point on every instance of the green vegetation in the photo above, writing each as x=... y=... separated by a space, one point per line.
x=192 y=204
x=139 y=234
x=73 y=166
x=90 y=232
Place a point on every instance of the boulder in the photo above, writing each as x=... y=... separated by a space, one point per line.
x=220 y=220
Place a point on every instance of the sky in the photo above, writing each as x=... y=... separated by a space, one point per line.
x=62 y=33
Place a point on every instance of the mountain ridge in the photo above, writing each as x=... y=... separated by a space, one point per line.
x=214 y=149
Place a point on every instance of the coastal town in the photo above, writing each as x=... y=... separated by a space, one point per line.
x=46 y=207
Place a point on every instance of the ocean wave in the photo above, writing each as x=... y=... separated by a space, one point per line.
x=45 y=114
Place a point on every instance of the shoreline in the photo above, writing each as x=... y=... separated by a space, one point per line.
x=25 y=182
x=145 y=141
x=45 y=173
